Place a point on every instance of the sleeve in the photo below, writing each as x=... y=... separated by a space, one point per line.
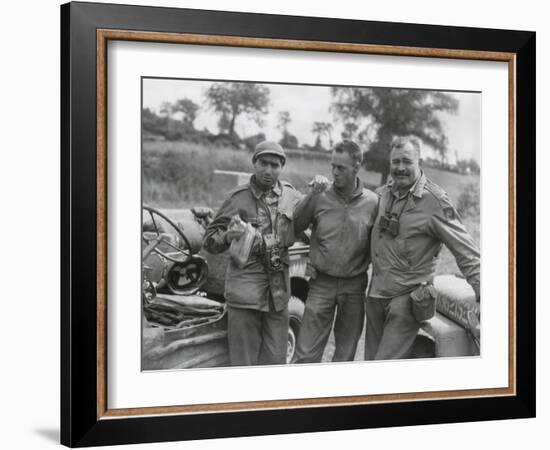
x=285 y=222
x=445 y=224
x=304 y=212
x=215 y=237
x=373 y=217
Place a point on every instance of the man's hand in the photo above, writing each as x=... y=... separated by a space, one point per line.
x=319 y=184
x=235 y=229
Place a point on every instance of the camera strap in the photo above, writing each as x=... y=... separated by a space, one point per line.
x=273 y=218
x=389 y=207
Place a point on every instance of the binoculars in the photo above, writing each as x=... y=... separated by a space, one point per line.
x=390 y=224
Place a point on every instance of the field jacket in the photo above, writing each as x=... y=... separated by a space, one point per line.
x=340 y=233
x=427 y=220
x=253 y=286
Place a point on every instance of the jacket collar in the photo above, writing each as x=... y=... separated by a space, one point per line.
x=277 y=189
x=356 y=192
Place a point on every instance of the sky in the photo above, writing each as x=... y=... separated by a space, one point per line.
x=308 y=104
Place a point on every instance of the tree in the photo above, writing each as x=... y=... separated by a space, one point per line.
x=393 y=112
x=317 y=128
x=166 y=109
x=151 y=122
x=283 y=121
x=230 y=100
x=328 y=131
x=467 y=166
x=161 y=125
x=288 y=140
x=320 y=128
x=189 y=109
x=350 y=128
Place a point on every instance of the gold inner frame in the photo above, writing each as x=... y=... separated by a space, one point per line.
x=104 y=35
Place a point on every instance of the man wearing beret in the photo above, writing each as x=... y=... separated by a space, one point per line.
x=257 y=293
x=415 y=218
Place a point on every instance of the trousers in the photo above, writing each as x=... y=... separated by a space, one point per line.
x=391 y=328
x=257 y=337
x=329 y=297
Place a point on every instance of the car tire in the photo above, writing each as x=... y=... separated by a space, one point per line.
x=295 y=314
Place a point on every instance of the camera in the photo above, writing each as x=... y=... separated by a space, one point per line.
x=273 y=261
x=390 y=224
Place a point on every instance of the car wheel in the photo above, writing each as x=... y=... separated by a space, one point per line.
x=291 y=345
x=295 y=313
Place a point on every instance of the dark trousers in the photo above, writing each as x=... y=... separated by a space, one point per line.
x=327 y=296
x=391 y=328
x=257 y=337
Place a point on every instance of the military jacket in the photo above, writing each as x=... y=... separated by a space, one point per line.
x=427 y=220
x=340 y=234
x=253 y=286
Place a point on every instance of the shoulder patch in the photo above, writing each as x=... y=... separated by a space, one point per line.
x=449 y=213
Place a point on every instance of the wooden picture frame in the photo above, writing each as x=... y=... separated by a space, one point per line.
x=85 y=416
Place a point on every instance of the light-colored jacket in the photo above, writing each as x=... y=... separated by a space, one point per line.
x=340 y=233
x=428 y=220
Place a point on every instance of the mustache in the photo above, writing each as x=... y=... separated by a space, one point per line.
x=398 y=172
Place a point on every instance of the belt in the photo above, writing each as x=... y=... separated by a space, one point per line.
x=341 y=278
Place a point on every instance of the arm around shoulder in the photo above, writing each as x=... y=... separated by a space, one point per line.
x=304 y=211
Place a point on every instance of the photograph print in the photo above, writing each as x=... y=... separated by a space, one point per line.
x=300 y=224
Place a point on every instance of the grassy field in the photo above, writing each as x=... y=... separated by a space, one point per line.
x=181 y=175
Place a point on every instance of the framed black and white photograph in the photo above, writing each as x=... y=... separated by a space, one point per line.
x=192 y=177
x=321 y=228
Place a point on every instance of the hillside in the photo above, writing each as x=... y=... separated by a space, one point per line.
x=180 y=175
